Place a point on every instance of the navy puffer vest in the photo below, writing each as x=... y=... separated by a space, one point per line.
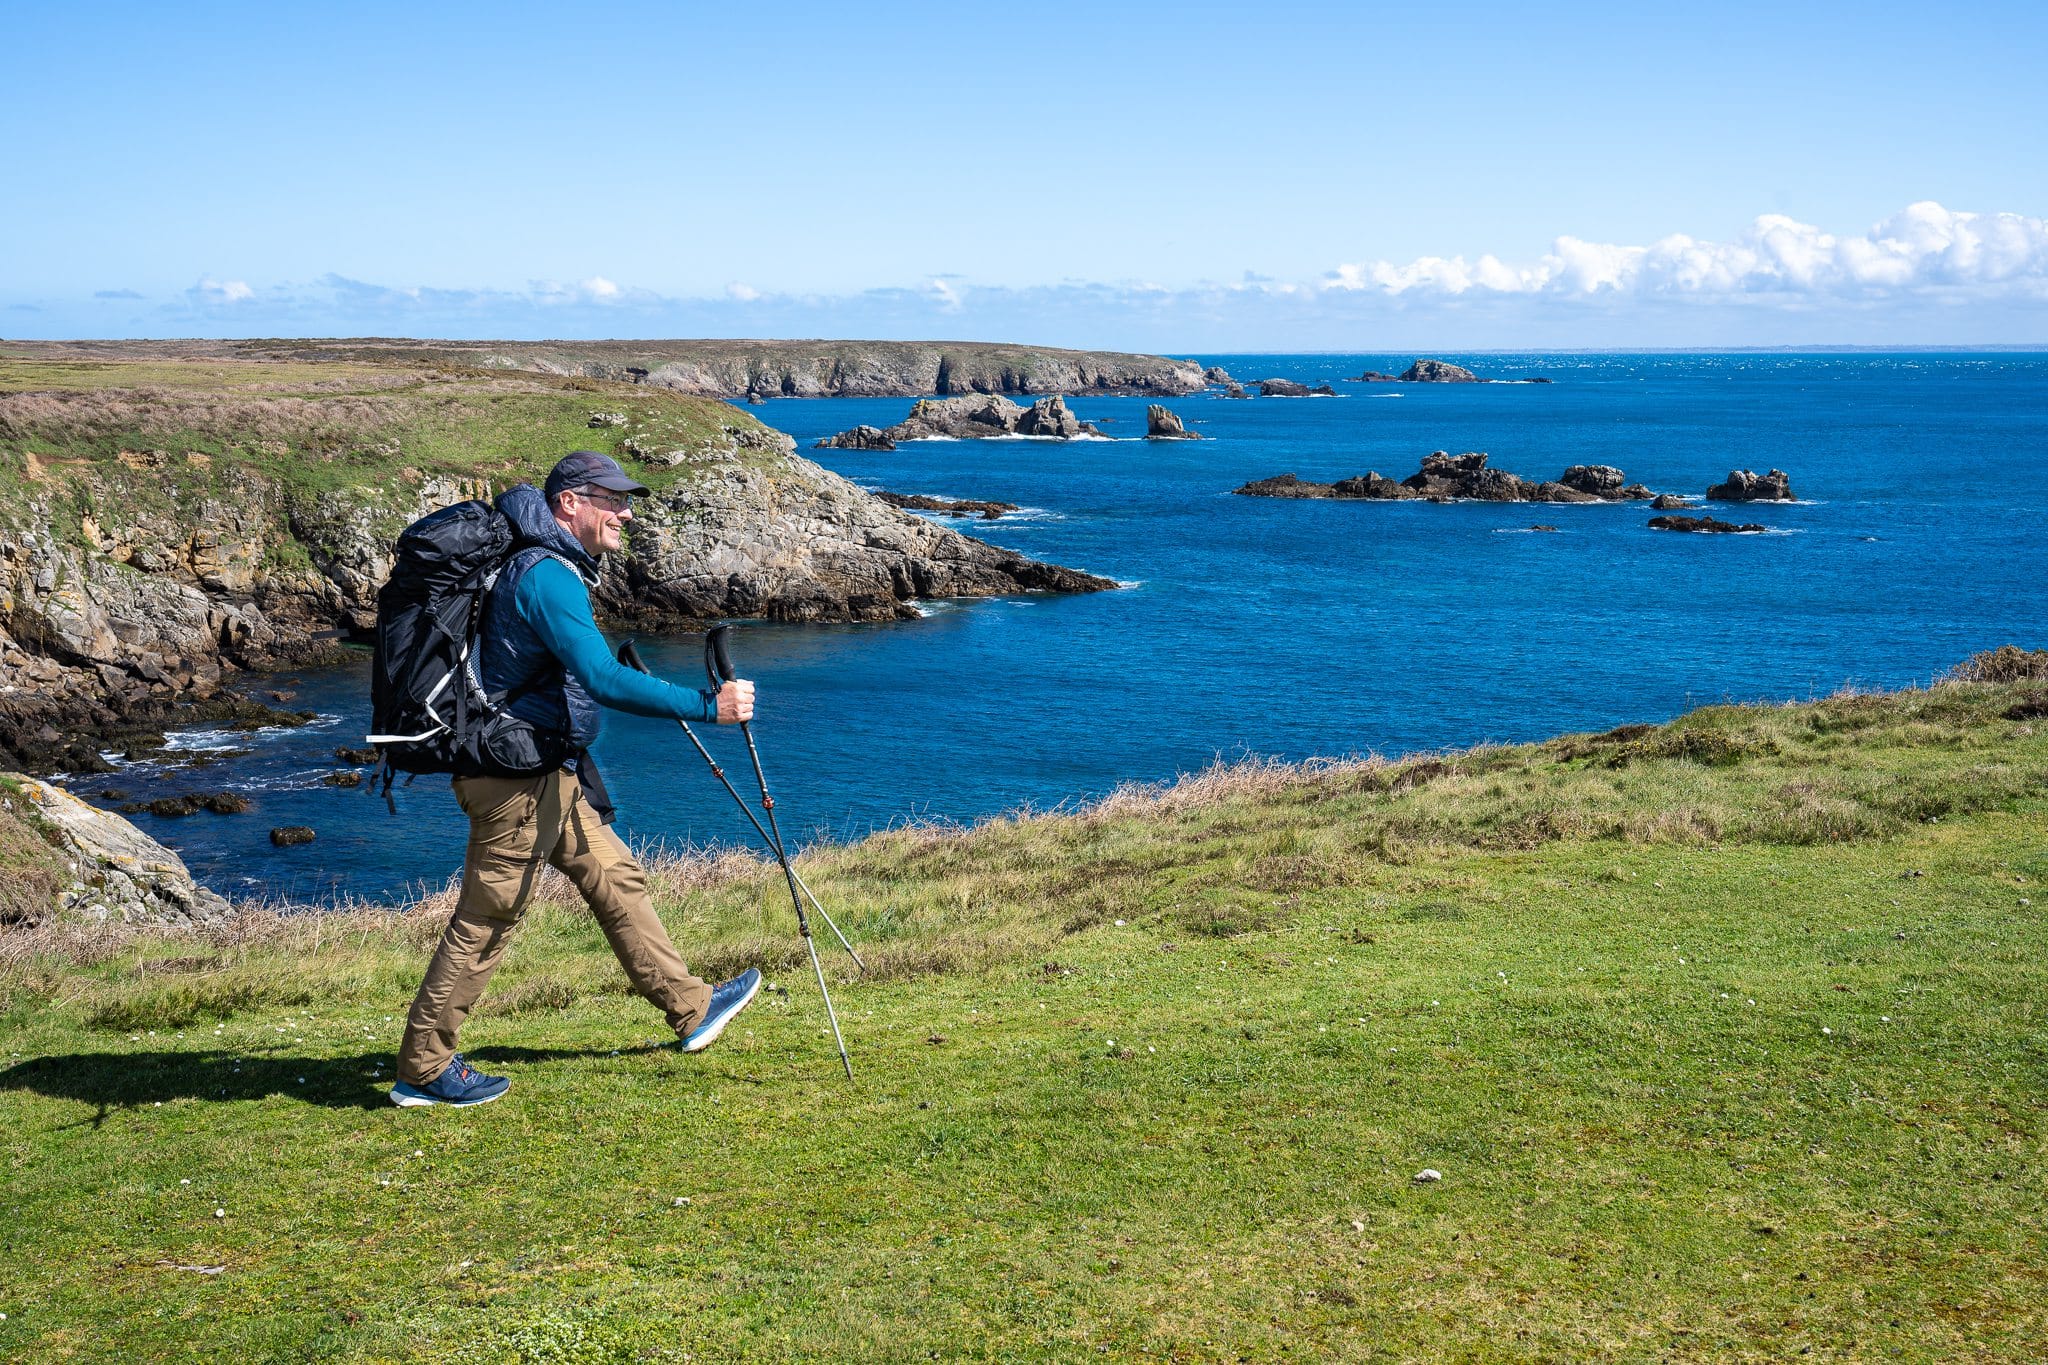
x=514 y=661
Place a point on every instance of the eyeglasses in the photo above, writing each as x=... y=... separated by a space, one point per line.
x=610 y=502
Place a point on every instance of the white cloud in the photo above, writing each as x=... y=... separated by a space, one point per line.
x=1923 y=248
x=598 y=287
x=745 y=293
x=211 y=290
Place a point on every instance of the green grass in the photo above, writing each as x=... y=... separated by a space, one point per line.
x=1727 y=1038
x=144 y=437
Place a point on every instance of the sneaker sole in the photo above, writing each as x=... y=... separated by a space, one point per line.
x=710 y=1035
x=418 y=1101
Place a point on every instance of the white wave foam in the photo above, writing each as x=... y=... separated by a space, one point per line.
x=186 y=741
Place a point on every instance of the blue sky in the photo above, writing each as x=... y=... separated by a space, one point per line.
x=1171 y=177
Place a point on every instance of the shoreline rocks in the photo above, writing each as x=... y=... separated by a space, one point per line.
x=1744 y=486
x=121 y=874
x=919 y=502
x=1450 y=478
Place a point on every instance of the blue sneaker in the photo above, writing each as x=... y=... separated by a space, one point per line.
x=460 y=1084
x=728 y=998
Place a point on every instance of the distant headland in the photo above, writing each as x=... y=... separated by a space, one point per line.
x=711 y=369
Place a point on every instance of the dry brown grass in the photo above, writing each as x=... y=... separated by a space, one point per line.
x=2006 y=664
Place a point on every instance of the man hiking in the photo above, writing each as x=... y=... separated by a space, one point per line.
x=540 y=649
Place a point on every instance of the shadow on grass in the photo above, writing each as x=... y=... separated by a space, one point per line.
x=127 y=1080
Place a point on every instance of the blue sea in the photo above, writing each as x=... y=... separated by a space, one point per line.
x=1253 y=626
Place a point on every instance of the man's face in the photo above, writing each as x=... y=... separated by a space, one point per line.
x=597 y=517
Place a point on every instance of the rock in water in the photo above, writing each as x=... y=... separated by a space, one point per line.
x=1375 y=377
x=1445 y=477
x=1282 y=388
x=1743 y=486
x=122 y=872
x=1438 y=372
x=1667 y=502
x=1216 y=374
x=968 y=418
x=1049 y=417
x=1161 y=424
x=285 y=836
x=921 y=502
x=1707 y=524
x=1601 y=480
x=860 y=438
x=1234 y=391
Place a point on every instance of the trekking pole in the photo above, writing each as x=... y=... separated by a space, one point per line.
x=718 y=664
x=629 y=655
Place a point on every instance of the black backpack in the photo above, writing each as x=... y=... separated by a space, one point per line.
x=429 y=711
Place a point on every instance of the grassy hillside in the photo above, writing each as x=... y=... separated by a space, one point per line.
x=1727 y=1038
x=318 y=426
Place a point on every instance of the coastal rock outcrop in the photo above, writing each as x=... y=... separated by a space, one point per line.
x=156 y=544
x=1234 y=391
x=1216 y=374
x=1446 y=478
x=967 y=419
x=1669 y=502
x=1704 y=524
x=800 y=543
x=963 y=507
x=1162 y=424
x=1743 y=486
x=118 y=872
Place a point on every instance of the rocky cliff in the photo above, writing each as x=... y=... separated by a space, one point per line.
x=719 y=369
x=166 y=525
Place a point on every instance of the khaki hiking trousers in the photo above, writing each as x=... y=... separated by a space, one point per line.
x=517 y=826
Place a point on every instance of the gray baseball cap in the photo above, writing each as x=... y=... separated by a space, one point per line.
x=587 y=468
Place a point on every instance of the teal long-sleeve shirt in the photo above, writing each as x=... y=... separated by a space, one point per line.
x=554 y=602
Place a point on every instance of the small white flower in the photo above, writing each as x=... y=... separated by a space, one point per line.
x=682 y=1200
x=1825 y=1029
x=220 y=1213
x=417 y=1152
x=184 y=1182
x=1119 y=924
x=1884 y=1018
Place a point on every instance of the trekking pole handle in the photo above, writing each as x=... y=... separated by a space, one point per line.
x=718 y=662
x=629 y=655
